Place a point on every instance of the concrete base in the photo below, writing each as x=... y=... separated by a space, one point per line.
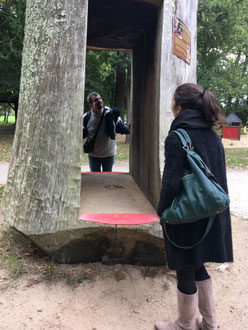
x=109 y=245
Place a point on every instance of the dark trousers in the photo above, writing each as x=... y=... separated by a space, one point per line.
x=187 y=276
x=106 y=163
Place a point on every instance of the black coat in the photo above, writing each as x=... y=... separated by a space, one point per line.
x=217 y=246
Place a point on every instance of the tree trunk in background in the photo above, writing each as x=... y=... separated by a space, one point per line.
x=129 y=93
x=5 y=115
x=16 y=110
x=8 y=113
x=228 y=106
x=42 y=194
x=120 y=90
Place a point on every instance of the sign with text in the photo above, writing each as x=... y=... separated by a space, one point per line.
x=181 y=40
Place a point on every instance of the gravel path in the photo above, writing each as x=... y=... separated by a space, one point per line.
x=238 y=192
x=3 y=172
x=237 y=183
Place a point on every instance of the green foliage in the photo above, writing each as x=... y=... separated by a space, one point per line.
x=49 y=272
x=223 y=51
x=119 y=60
x=14 y=265
x=100 y=74
x=12 y=20
x=9 y=259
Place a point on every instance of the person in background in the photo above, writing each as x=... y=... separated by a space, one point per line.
x=103 y=154
x=196 y=111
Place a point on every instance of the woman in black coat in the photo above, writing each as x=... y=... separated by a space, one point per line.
x=196 y=111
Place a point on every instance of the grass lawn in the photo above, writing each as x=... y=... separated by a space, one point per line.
x=122 y=153
x=6 y=142
x=237 y=158
x=11 y=120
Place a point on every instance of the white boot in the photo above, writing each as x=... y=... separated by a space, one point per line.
x=187 y=307
x=206 y=304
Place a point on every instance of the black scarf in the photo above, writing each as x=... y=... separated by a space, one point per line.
x=191 y=119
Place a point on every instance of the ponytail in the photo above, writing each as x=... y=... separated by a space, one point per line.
x=211 y=109
x=191 y=96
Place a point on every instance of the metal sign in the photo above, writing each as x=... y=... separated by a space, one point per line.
x=181 y=40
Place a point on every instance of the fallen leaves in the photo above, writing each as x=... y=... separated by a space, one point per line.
x=30 y=283
x=6 y=142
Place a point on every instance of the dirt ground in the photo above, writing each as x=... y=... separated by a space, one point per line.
x=242 y=143
x=119 y=297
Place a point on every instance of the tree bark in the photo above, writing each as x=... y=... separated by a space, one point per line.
x=120 y=90
x=42 y=194
x=228 y=105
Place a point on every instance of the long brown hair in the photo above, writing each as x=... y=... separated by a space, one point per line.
x=191 y=96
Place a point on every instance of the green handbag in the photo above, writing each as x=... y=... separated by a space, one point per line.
x=201 y=195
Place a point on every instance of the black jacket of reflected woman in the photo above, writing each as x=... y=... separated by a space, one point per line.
x=113 y=123
x=217 y=246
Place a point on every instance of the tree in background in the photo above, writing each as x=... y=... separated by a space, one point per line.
x=12 y=20
x=107 y=73
x=223 y=51
x=99 y=76
x=5 y=111
x=121 y=62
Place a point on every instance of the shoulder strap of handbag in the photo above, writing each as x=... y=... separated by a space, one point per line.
x=188 y=147
x=98 y=127
x=186 y=141
x=209 y=225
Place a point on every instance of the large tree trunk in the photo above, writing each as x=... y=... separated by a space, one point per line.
x=43 y=189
